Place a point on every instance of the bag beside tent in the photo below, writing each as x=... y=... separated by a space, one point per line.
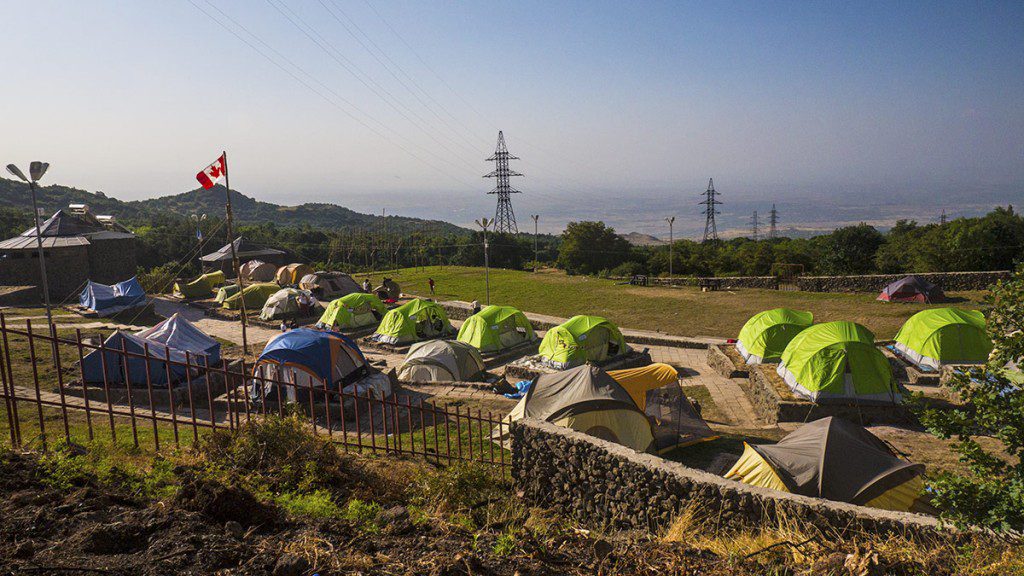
x=581 y=339
x=496 y=328
x=107 y=300
x=202 y=287
x=352 y=311
x=442 y=361
x=765 y=335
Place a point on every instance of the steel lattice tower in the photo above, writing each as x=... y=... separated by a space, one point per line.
x=504 y=217
x=754 y=226
x=773 y=220
x=709 y=203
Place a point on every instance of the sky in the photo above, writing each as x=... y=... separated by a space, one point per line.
x=620 y=110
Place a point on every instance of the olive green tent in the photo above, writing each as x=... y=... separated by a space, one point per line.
x=201 y=287
x=442 y=361
x=581 y=339
x=356 y=310
x=414 y=321
x=226 y=292
x=838 y=361
x=766 y=334
x=940 y=336
x=496 y=328
x=255 y=295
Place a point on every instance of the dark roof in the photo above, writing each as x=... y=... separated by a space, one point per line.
x=65 y=229
x=243 y=248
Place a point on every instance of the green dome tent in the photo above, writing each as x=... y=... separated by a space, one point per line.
x=201 y=287
x=356 y=310
x=581 y=339
x=496 y=328
x=414 y=321
x=940 y=336
x=255 y=295
x=837 y=361
x=766 y=334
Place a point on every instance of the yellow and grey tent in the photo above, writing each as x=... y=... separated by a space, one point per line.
x=835 y=459
x=291 y=274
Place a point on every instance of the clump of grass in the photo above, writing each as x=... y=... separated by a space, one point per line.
x=458 y=487
x=364 y=515
x=316 y=504
x=506 y=543
x=69 y=465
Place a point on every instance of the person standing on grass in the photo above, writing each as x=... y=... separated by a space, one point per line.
x=431 y=282
x=366 y=285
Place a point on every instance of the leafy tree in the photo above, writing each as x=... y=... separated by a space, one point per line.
x=993 y=407
x=13 y=222
x=590 y=247
x=850 y=250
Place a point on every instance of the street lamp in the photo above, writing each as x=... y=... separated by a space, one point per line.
x=535 y=217
x=484 y=223
x=36 y=171
x=671 y=220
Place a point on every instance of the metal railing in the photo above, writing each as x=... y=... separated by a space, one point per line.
x=44 y=382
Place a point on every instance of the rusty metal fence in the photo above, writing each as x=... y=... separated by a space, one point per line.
x=44 y=385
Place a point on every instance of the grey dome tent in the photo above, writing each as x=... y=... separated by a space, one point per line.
x=442 y=361
x=329 y=285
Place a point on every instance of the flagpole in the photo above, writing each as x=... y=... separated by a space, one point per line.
x=234 y=257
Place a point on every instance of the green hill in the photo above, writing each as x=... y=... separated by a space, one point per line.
x=14 y=194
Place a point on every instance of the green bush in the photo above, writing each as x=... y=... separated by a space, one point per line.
x=315 y=504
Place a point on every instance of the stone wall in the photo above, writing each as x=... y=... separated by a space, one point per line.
x=727 y=282
x=722 y=363
x=112 y=261
x=608 y=485
x=948 y=281
x=66 y=269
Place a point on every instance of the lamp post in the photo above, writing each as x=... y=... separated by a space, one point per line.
x=36 y=171
x=671 y=220
x=483 y=223
x=535 y=217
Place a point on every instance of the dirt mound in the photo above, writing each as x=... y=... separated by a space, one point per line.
x=224 y=503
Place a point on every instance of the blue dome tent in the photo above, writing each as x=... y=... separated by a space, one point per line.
x=106 y=300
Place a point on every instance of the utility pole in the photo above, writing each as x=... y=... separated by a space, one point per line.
x=671 y=220
x=942 y=219
x=753 y=226
x=504 y=217
x=535 y=217
x=234 y=258
x=484 y=223
x=773 y=220
x=35 y=172
x=709 y=203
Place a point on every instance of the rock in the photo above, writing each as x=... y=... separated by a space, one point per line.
x=394 y=514
x=224 y=503
x=234 y=529
x=291 y=565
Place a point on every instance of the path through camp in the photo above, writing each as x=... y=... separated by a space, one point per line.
x=223 y=329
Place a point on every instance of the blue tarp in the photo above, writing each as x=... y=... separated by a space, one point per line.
x=105 y=300
x=522 y=387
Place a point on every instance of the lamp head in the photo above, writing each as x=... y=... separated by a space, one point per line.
x=37 y=169
x=15 y=171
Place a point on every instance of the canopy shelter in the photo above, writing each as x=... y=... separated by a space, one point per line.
x=835 y=459
x=581 y=339
x=202 y=287
x=352 y=311
x=327 y=285
x=289 y=303
x=766 y=334
x=245 y=250
x=496 y=328
x=106 y=300
x=938 y=336
x=290 y=274
x=171 y=338
x=414 y=321
x=388 y=290
x=304 y=358
x=255 y=295
x=258 y=271
x=442 y=361
x=912 y=289
x=838 y=361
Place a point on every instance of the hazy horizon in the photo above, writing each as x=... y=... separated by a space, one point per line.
x=619 y=111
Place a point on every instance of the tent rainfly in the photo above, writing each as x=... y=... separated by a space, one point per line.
x=838 y=361
x=202 y=287
x=258 y=271
x=255 y=295
x=290 y=274
x=414 y=321
x=244 y=249
x=912 y=289
x=496 y=328
x=327 y=285
x=352 y=311
x=106 y=300
x=581 y=339
x=835 y=459
x=442 y=361
x=766 y=334
x=938 y=336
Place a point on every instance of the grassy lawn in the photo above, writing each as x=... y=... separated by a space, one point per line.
x=680 y=311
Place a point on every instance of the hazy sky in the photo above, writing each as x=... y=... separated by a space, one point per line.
x=397 y=104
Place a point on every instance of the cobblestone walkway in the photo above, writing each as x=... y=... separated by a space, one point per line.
x=729 y=398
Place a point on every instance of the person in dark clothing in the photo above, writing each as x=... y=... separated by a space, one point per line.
x=430 y=281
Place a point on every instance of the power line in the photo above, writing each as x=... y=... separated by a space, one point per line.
x=773 y=220
x=753 y=226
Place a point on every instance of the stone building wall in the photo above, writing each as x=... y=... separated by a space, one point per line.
x=66 y=270
x=608 y=485
x=112 y=261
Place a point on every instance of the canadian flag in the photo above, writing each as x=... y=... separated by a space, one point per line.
x=209 y=176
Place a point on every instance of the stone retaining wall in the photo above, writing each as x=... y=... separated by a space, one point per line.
x=608 y=485
x=948 y=281
x=723 y=364
x=726 y=282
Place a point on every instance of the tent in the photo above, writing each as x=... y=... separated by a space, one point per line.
x=442 y=361
x=414 y=321
x=912 y=289
x=245 y=250
x=289 y=303
x=940 y=336
x=496 y=328
x=835 y=459
x=201 y=287
x=258 y=271
x=766 y=334
x=581 y=339
x=105 y=300
x=356 y=310
x=306 y=357
x=327 y=285
x=227 y=291
x=172 y=337
x=388 y=290
x=837 y=361
x=290 y=274
x=255 y=296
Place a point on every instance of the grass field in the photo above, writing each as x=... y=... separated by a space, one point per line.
x=680 y=311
